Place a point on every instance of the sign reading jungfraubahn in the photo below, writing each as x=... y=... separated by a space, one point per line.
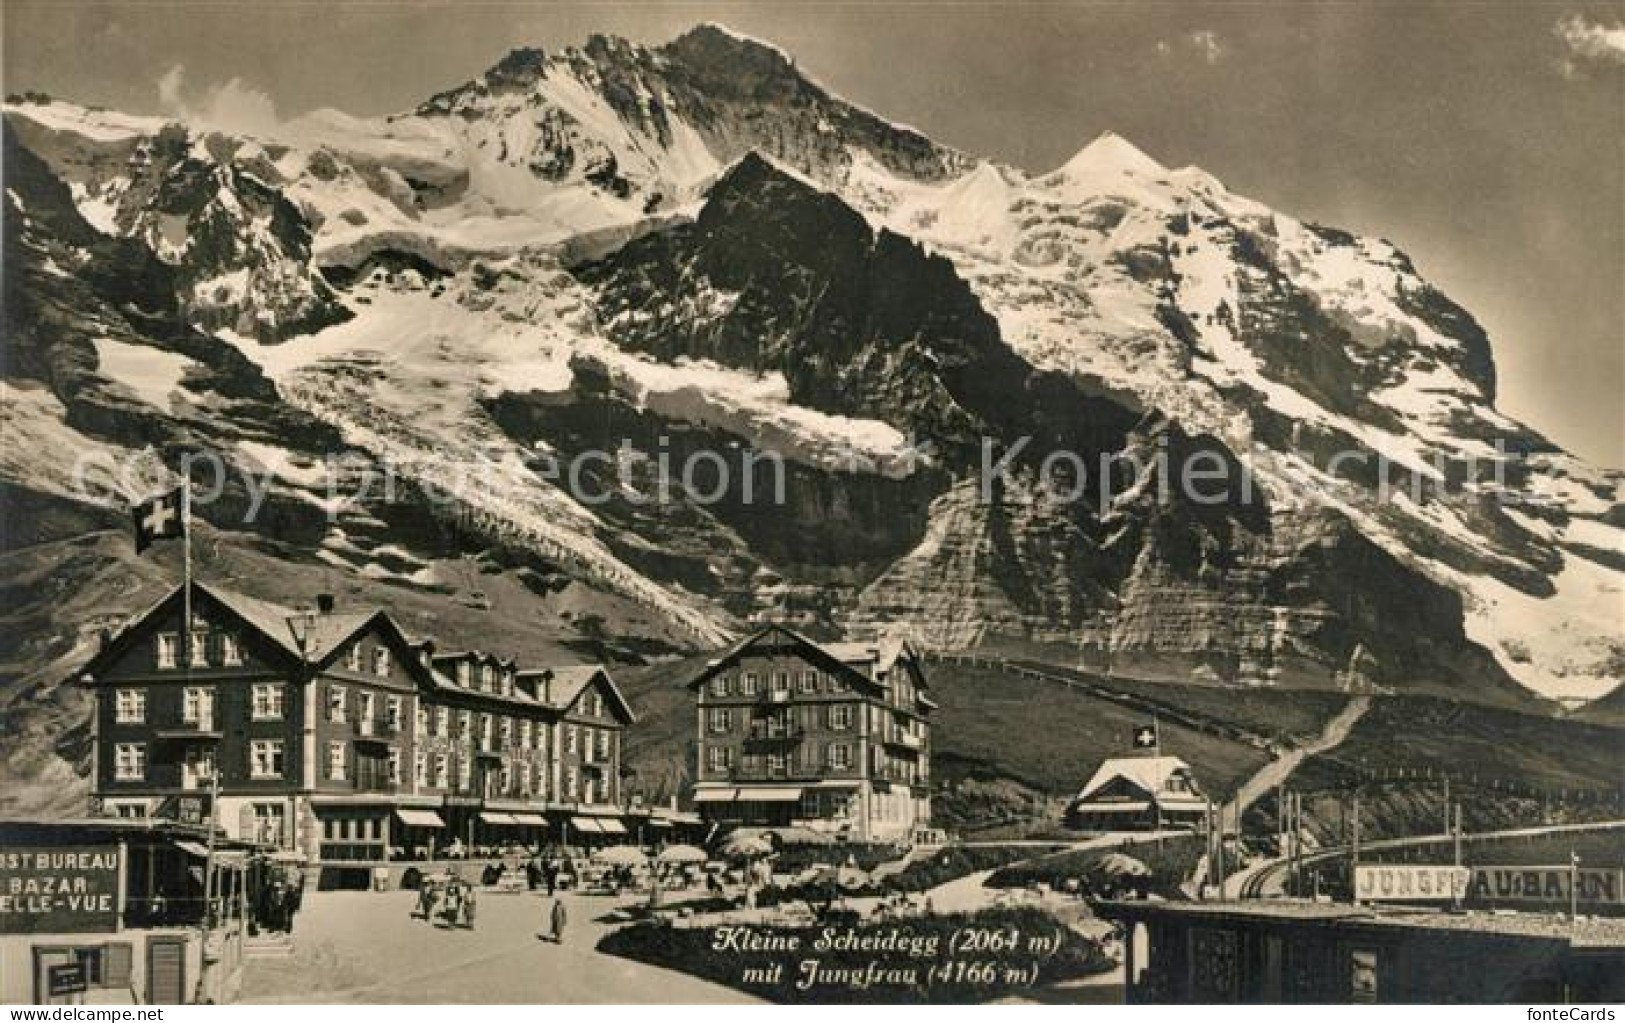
x=1377 y=882
x=1399 y=882
x=1547 y=885
x=59 y=890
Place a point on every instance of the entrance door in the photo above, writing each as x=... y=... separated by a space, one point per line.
x=166 y=971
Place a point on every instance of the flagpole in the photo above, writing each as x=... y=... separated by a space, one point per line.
x=186 y=572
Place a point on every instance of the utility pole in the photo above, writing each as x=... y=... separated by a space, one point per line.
x=1456 y=860
x=1354 y=840
x=1574 y=886
x=1447 y=806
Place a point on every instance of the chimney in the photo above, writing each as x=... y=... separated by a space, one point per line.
x=324 y=603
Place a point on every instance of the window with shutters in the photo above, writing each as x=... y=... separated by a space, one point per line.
x=420 y=769
x=337 y=703
x=840 y=717
x=197 y=706
x=265 y=758
x=749 y=684
x=781 y=681
x=130 y=761
x=719 y=685
x=336 y=761
x=720 y=720
x=131 y=706
x=380 y=661
x=353 y=657
x=266 y=701
x=392 y=713
x=840 y=755
x=809 y=682
x=167 y=650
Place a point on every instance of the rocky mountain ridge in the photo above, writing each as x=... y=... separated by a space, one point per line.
x=697 y=244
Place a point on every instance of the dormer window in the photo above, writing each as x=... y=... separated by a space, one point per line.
x=462 y=674
x=231 y=652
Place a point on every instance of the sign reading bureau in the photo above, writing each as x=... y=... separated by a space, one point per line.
x=59 y=890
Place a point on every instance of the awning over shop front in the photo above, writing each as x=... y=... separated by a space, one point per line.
x=586 y=825
x=530 y=820
x=715 y=795
x=1127 y=807
x=494 y=817
x=193 y=849
x=419 y=818
x=610 y=826
x=770 y=795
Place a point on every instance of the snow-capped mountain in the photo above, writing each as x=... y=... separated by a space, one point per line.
x=697 y=247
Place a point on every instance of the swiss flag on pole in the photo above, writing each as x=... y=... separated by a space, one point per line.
x=161 y=518
x=1145 y=736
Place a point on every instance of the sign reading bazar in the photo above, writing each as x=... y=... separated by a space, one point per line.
x=1377 y=882
x=59 y=890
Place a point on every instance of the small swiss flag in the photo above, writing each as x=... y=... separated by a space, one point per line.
x=1145 y=736
x=161 y=518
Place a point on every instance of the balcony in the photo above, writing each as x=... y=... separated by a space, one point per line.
x=377 y=784
x=905 y=741
x=197 y=728
x=375 y=728
x=772 y=731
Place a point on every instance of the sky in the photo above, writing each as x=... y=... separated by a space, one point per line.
x=1486 y=138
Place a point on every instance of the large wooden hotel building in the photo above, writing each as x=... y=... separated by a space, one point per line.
x=336 y=734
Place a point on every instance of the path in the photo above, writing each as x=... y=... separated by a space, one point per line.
x=360 y=947
x=1278 y=770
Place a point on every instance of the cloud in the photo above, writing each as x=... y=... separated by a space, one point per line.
x=1203 y=42
x=234 y=107
x=1588 y=42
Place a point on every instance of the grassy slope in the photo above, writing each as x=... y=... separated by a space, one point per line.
x=1508 y=769
x=56 y=595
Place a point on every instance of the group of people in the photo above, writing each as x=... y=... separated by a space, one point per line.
x=276 y=891
x=450 y=901
x=446 y=900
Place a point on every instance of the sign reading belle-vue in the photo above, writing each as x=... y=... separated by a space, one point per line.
x=59 y=890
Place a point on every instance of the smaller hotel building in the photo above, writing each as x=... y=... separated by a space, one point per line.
x=832 y=737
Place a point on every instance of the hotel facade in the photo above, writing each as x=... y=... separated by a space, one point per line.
x=335 y=734
x=834 y=737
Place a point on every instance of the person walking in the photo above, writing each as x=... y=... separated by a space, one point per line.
x=559 y=920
